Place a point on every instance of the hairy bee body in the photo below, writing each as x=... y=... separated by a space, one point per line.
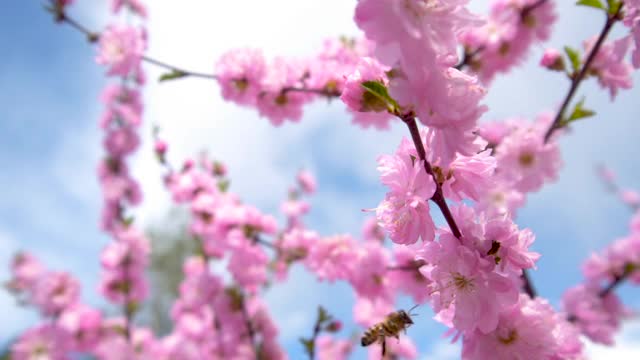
x=391 y=326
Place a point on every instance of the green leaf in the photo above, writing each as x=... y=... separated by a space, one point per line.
x=381 y=97
x=175 y=74
x=323 y=315
x=308 y=345
x=592 y=3
x=579 y=112
x=614 y=6
x=574 y=58
x=223 y=185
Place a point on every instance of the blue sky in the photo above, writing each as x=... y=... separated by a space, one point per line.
x=50 y=144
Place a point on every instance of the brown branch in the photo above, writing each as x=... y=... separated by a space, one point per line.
x=251 y=331
x=528 y=285
x=176 y=69
x=617 y=280
x=410 y=266
x=438 y=197
x=92 y=37
x=575 y=83
x=324 y=92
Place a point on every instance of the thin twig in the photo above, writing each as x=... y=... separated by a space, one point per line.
x=93 y=37
x=575 y=83
x=438 y=197
x=174 y=68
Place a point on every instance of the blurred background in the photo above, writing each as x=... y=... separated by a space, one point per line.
x=50 y=145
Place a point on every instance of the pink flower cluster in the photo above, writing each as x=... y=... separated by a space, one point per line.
x=524 y=162
x=134 y=6
x=609 y=65
x=121 y=50
x=123 y=263
x=531 y=328
x=277 y=88
x=632 y=20
x=510 y=31
x=417 y=40
x=49 y=291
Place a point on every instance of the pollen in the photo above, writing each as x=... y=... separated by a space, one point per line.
x=461 y=282
x=526 y=159
x=511 y=337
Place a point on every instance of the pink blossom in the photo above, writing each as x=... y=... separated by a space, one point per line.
x=552 y=59
x=371 y=231
x=333 y=349
x=240 y=73
x=468 y=177
x=135 y=6
x=83 y=323
x=368 y=312
x=525 y=161
x=297 y=243
x=275 y=102
x=160 y=146
x=597 y=317
x=56 y=291
x=332 y=258
x=402 y=348
x=346 y=50
x=404 y=213
x=354 y=94
x=609 y=65
x=26 y=270
x=529 y=328
x=613 y=262
x=406 y=275
x=371 y=280
x=465 y=290
x=416 y=27
x=630 y=197
x=295 y=208
x=306 y=181
x=46 y=341
x=501 y=200
x=448 y=102
x=123 y=105
x=124 y=262
x=507 y=36
x=632 y=21
x=121 y=49
x=121 y=142
x=248 y=263
x=494 y=132
x=377 y=120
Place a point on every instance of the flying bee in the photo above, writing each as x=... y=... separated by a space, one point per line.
x=390 y=327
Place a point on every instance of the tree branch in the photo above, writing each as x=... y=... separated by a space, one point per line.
x=575 y=83
x=438 y=197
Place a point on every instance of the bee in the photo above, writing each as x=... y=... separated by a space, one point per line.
x=390 y=327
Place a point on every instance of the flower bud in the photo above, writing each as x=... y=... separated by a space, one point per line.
x=552 y=60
